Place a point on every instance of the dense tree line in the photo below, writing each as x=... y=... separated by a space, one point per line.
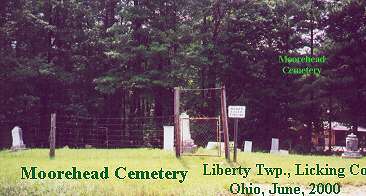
x=122 y=58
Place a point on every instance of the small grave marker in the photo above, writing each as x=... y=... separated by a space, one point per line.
x=168 y=137
x=248 y=146
x=275 y=145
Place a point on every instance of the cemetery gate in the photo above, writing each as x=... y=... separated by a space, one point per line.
x=200 y=122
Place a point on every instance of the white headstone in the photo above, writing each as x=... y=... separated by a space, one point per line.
x=187 y=141
x=168 y=137
x=186 y=133
x=212 y=145
x=215 y=145
x=275 y=145
x=248 y=146
x=17 y=136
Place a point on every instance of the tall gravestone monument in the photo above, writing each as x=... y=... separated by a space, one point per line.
x=17 y=136
x=187 y=141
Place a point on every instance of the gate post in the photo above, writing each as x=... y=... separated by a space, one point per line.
x=225 y=123
x=52 y=137
x=176 y=121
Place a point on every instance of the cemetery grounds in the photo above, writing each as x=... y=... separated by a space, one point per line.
x=150 y=159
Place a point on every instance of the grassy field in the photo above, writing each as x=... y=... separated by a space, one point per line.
x=152 y=159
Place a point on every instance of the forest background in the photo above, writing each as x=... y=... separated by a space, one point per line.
x=123 y=58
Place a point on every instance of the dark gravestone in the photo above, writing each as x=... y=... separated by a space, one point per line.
x=351 y=147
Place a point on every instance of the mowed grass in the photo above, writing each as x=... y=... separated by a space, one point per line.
x=154 y=159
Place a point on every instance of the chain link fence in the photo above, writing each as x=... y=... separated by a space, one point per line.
x=201 y=136
x=200 y=127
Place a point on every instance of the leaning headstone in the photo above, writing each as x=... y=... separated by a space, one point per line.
x=17 y=136
x=248 y=146
x=352 y=150
x=187 y=141
x=169 y=138
x=275 y=145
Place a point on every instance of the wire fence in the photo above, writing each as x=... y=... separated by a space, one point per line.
x=204 y=137
x=88 y=132
x=200 y=109
x=137 y=132
x=200 y=102
x=80 y=132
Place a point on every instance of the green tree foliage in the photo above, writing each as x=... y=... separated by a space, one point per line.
x=347 y=37
x=114 y=58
